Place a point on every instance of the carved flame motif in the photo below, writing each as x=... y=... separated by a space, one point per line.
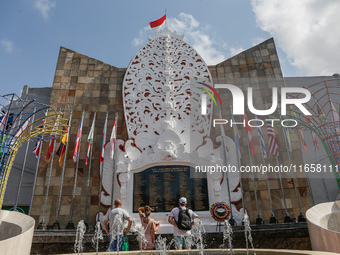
x=160 y=91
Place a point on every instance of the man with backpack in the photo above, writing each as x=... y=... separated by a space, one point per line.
x=182 y=220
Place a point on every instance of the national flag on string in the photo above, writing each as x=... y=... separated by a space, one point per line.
x=156 y=25
x=273 y=144
x=113 y=136
x=77 y=146
x=36 y=148
x=301 y=137
x=321 y=114
x=263 y=145
x=335 y=116
x=102 y=152
x=3 y=121
x=250 y=136
x=90 y=140
x=235 y=132
x=23 y=130
x=315 y=140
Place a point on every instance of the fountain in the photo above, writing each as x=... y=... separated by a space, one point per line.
x=78 y=245
x=98 y=236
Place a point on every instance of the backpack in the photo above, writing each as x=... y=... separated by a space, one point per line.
x=184 y=219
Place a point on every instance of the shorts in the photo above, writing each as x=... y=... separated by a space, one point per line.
x=113 y=243
x=181 y=242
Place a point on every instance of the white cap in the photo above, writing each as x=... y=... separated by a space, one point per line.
x=182 y=200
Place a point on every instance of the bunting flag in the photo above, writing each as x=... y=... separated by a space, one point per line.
x=23 y=130
x=90 y=140
x=263 y=145
x=321 y=114
x=50 y=148
x=235 y=132
x=77 y=146
x=315 y=140
x=62 y=148
x=113 y=136
x=156 y=25
x=301 y=137
x=335 y=116
x=102 y=151
x=250 y=136
x=272 y=139
x=3 y=121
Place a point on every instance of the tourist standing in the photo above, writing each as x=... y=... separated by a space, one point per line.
x=111 y=218
x=149 y=228
x=182 y=220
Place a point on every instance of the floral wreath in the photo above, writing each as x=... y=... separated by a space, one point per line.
x=220 y=211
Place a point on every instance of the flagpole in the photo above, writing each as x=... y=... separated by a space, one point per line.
x=272 y=219
x=35 y=179
x=56 y=224
x=303 y=162
x=301 y=218
x=88 y=177
x=114 y=161
x=70 y=225
x=41 y=224
x=231 y=218
x=239 y=165
x=22 y=169
x=259 y=220
x=101 y=171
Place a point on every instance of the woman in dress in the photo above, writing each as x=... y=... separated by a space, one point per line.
x=149 y=227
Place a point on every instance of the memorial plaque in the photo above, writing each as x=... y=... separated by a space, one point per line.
x=160 y=187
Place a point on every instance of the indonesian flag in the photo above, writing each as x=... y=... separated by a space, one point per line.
x=250 y=136
x=156 y=25
x=103 y=142
x=90 y=140
x=113 y=136
x=77 y=147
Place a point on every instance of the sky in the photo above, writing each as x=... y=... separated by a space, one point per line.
x=306 y=33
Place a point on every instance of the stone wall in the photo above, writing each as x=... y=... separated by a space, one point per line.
x=259 y=68
x=80 y=84
x=85 y=84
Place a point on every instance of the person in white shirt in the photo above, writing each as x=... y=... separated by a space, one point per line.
x=182 y=220
x=110 y=218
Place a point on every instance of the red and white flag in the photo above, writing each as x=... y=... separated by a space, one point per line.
x=156 y=25
x=250 y=136
x=77 y=147
x=102 y=152
x=273 y=143
x=113 y=136
x=36 y=149
x=90 y=139
x=50 y=148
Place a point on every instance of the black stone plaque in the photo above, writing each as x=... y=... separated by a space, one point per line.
x=161 y=187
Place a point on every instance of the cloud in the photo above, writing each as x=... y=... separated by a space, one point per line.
x=307 y=31
x=8 y=45
x=196 y=35
x=44 y=6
